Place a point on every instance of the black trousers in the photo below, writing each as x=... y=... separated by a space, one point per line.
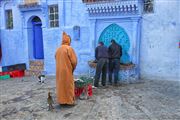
x=101 y=68
x=114 y=66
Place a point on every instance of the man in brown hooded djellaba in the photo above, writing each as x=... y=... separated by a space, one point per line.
x=66 y=62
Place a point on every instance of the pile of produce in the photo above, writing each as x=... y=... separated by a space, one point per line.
x=83 y=81
x=92 y=63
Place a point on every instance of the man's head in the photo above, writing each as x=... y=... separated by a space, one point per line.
x=113 y=41
x=101 y=43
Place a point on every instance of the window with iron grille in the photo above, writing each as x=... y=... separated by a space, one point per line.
x=53 y=16
x=9 y=19
x=148 y=6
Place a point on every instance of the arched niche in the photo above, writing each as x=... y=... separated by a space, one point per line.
x=117 y=33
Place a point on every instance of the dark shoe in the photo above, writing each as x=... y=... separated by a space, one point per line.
x=115 y=84
x=110 y=83
x=96 y=86
x=104 y=85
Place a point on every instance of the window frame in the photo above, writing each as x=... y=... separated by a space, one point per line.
x=54 y=21
x=9 y=19
x=153 y=8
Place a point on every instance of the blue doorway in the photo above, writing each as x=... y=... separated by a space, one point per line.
x=38 y=48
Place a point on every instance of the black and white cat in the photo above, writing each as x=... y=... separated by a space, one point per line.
x=42 y=78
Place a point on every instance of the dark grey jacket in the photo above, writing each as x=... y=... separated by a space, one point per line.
x=101 y=52
x=115 y=51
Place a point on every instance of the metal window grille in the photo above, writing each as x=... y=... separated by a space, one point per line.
x=9 y=19
x=148 y=6
x=53 y=16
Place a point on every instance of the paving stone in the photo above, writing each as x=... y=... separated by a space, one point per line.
x=25 y=99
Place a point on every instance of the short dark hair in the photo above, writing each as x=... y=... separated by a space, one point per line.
x=101 y=43
x=113 y=41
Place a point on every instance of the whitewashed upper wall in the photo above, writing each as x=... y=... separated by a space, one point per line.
x=13 y=37
x=160 y=39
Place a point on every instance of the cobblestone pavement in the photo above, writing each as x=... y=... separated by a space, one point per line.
x=26 y=99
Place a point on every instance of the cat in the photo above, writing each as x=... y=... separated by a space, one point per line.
x=42 y=78
x=50 y=102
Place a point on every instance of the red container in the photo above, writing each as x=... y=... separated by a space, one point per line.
x=90 y=92
x=12 y=74
x=20 y=73
x=1 y=73
x=17 y=73
x=4 y=73
x=79 y=91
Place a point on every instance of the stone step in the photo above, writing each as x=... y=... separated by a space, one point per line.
x=36 y=63
x=33 y=73
x=37 y=67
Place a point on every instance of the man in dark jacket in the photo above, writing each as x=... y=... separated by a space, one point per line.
x=115 y=53
x=101 y=55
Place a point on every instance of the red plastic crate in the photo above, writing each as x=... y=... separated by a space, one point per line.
x=20 y=73
x=12 y=74
x=17 y=73
x=78 y=91
x=4 y=73
x=90 y=92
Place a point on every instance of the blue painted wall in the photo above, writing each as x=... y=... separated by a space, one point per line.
x=160 y=54
x=13 y=44
x=17 y=47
